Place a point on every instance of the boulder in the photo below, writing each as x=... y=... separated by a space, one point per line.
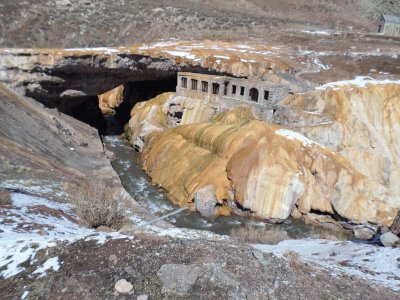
x=364 y=232
x=178 y=278
x=123 y=287
x=389 y=239
x=205 y=202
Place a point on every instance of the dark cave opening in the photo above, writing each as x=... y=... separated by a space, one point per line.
x=87 y=109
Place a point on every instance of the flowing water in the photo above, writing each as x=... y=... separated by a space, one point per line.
x=138 y=184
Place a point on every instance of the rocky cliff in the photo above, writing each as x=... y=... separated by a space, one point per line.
x=360 y=122
x=336 y=156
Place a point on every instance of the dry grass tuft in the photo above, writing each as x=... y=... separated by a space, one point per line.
x=98 y=206
x=294 y=259
x=5 y=197
x=252 y=234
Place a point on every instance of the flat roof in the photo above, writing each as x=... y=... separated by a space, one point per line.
x=392 y=18
x=201 y=75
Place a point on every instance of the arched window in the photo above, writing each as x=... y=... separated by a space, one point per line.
x=253 y=94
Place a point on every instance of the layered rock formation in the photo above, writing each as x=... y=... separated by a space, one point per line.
x=358 y=122
x=346 y=168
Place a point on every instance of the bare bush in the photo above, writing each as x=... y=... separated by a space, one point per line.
x=293 y=258
x=253 y=234
x=5 y=197
x=98 y=206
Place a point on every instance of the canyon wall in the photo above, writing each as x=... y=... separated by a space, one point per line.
x=336 y=155
x=361 y=123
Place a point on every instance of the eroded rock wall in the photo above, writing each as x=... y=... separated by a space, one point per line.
x=265 y=168
x=359 y=123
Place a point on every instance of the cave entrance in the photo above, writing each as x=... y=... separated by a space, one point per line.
x=88 y=111
x=134 y=92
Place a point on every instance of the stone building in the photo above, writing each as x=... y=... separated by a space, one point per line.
x=389 y=25
x=223 y=92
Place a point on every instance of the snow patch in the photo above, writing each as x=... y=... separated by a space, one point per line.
x=100 y=49
x=292 y=135
x=321 y=65
x=51 y=263
x=248 y=60
x=359 y=81
x=26 y=228
x=222 y=56
x=317 y=32
x=370 y=262
x=181 y=54
x=158 y=45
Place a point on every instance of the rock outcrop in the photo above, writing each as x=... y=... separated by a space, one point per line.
x=264 y=168
x=358 y=122
x=110 y=100
x=46 y=153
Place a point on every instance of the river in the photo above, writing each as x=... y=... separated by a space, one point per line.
x=138 y=184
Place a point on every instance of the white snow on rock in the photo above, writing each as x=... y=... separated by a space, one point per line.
x=317 y=32
x=51 y=263
x=158 y=45
x=33 y=224
x=106 y=50
x=359 y=81
x=293 y=135
x=320 y=65
x=181 y=54
x=222 y=56
x=376 y=264
x=26 y=293
x=183 y=233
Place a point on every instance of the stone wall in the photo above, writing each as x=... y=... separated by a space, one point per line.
x=232 y=93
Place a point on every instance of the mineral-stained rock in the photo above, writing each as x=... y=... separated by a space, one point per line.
x=111 y=100
x=162 y=112
x=146 y=117
x=358 y=122
x=265 y=168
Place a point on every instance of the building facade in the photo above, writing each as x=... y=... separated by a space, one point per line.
x=224 y=93
x=389 y=25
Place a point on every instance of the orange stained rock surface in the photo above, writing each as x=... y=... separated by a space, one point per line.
x=364 y=127
x=270 y=170
x=111 y=100
x=147 y=116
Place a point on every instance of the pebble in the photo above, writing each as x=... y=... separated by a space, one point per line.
x=142 y=297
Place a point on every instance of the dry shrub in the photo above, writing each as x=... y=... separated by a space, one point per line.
x=5 y=197
x=253 y=234
x=99 y=206
x=293 y=258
